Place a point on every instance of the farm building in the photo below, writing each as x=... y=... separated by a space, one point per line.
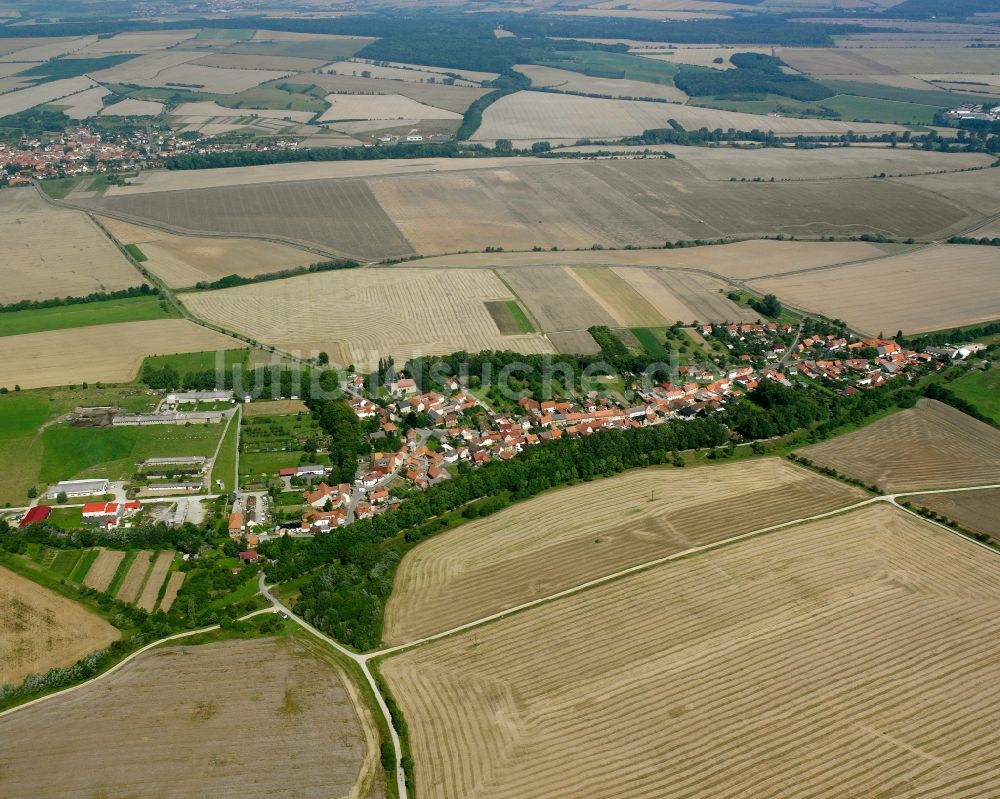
x=103 y=514
x=172 y=417
x=35 y=515
x=79 y=488
x=303 y=471
x=188 y=397
x=184 y=460
x=174 y=488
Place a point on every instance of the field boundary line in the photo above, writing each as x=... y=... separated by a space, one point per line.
x=886 y=498
x=128 y=658
x=640 y=567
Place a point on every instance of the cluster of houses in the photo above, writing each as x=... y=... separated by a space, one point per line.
x=855 y=364
x=78 y=152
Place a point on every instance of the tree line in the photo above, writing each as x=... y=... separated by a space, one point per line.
x=144 y=290
x=229 y=281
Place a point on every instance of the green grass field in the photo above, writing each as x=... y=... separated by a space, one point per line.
x=224 y=468
x=614 y=65
x=59 y=68
x=86 y=314
x=123 y=567
x=22 y=414
x=982 y=389
x=135 y=252
x=186 y=362
x=69 y=452
x=651 y=341
x=281 y=96
x=519 y=316
x=58 y=188
x=861 y=109
x=937 y=98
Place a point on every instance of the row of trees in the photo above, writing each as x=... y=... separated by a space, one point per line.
x=97 y=296
x=346 y=598
x=229 y=281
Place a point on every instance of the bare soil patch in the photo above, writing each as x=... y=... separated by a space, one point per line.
x=151 y=591
x=102 y=570
x=129 y=589
x=174 y=583
x=40 y=630
x=847 y=657
x=928 y=446
x=178 y=702
x=567 y=537
x=275 y=408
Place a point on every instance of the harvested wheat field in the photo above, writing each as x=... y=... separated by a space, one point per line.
x=186 y=260
x=22 y=99
x=931 y=445
x=743 y=259
x=977 y=511
x=567 y=537
x=174 y=584
x=40 y=630
x=159 y=181
x=932 y=289
x=348 y=107
x=686 y=297
x=109 y=353
x=305 y=718
x=556 y=299
x=455 y=98
x=723 y=163
x=52 y=252
x=361 y=315
x=546 y=116
x=129 y=589
x=565 y=80
x=521 y=204
x=851 y=657
x=102 y=570
x=627 y=306
x=151 y=591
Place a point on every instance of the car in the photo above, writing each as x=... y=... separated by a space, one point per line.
x=283 y=614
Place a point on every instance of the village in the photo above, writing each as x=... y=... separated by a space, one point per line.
x=85 y=150
x=454 y=426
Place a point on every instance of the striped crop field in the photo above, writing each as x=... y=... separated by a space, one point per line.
x=850 y=657
x=402 y=312
x=103 y=569
x=564 y=538
x=928 y=446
